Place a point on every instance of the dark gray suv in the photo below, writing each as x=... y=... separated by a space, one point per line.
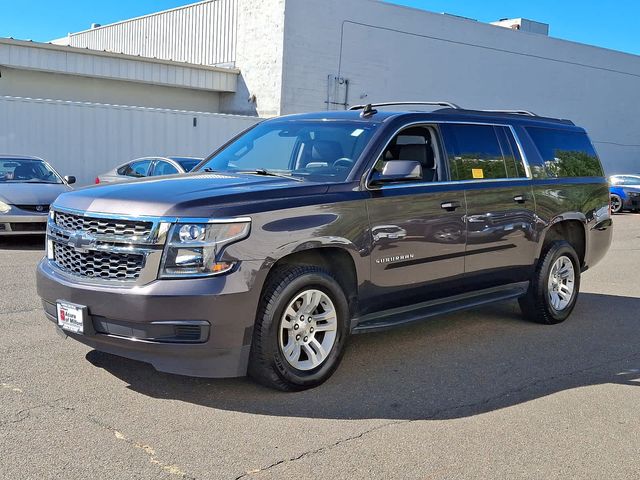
x=307 y=228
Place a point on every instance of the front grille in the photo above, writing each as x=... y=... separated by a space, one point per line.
x=101 y=226
x=28 y=227
x=34 y=208
x=98 y=264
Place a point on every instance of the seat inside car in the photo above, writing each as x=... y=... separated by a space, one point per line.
x=415 y=144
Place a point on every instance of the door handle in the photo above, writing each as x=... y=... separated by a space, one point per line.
x=519 y=199
x=450 y=206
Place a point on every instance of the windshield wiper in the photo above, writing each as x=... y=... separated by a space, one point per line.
x=269 y=173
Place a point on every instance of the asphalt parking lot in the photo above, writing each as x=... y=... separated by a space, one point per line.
x=482 y=394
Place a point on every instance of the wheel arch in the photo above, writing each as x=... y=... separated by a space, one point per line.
x=571 y=228
x=340 y=259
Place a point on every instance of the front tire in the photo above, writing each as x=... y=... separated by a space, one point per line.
x=301 y=330
x=554 y=288
x=616 y=203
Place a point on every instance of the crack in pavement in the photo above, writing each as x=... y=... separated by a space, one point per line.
x=169 y=468
x=321 y=449
x=437 y=413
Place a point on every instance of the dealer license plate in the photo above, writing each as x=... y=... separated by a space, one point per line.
x=71 y=317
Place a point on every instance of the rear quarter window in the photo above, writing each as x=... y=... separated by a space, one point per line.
x=566 y=153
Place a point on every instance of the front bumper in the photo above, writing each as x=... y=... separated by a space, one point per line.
x=631 y=203
x=137 y=322
x=23 y=223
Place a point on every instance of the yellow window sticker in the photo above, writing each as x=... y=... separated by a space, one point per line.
x=477 y=173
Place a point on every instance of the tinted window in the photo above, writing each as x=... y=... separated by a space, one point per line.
x=138 y=169
x=513 y=160
x=187 y=164
x=164 y=168
x=474 y=153
x=566 y=153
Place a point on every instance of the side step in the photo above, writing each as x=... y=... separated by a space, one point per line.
x=414 y=313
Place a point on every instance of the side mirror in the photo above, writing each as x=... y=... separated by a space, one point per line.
x=70 y=179
x=398 y=171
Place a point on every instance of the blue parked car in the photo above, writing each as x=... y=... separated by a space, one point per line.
x=625 y=193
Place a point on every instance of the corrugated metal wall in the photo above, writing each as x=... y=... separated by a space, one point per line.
x=85 y=139
x=203 y=33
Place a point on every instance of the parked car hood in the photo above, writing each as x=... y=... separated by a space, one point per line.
x=31 y=193
x=192 y=195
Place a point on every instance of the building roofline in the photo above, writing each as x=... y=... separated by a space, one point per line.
x=120 y=56
x=153 y=14
x=471 y=21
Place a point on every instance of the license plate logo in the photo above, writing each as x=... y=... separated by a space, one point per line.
x=71 y=317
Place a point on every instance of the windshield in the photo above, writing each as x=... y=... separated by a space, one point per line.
x=27 y=171
x=187 y=164
x=309 y=150
x=625 y=180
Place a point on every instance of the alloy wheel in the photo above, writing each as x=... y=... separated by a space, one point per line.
x=308 y=329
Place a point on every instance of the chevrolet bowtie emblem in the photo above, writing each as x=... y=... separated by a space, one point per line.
x=81 y=242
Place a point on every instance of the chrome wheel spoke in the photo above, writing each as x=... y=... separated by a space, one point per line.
x=292 y=351
x=326 y=327
x=313 y=357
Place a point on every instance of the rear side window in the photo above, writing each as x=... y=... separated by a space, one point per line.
x=135 y=169
x=566 y=153
x=164 y=168
x=478 y=152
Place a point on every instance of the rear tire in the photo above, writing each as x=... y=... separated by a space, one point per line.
x=555 y=285
x=616 y=203
x=301 y=329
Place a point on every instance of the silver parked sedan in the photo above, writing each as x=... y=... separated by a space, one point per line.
x=28 y=185
x=149 y=167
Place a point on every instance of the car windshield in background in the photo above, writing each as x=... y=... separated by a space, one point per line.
x=26 y=171
x=314 y=150
x=626 y=180
x=187 y=164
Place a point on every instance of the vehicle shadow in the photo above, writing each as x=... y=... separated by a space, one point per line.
x=451 y=367
x=22 y=242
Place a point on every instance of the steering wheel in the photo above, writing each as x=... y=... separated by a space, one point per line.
x=343 y=162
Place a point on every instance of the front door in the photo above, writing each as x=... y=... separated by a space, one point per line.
x=418 y=229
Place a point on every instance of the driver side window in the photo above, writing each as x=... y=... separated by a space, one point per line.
x=416 y=144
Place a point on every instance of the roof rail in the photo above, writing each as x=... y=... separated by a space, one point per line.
x=370 y=106
x=517 y=112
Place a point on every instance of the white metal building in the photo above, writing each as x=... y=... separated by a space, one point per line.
x=272 y=57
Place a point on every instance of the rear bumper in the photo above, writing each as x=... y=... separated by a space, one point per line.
x=143 y=323
x=23 y=224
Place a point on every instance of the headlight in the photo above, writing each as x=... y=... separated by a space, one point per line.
x=4 y=207
x=632 y=194
x=193 y=249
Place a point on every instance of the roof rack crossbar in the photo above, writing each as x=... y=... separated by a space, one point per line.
x=517 y=112
x=390 y=104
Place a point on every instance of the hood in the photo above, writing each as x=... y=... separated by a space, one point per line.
x=192 y=195
x=31 y=193
x=631 y=188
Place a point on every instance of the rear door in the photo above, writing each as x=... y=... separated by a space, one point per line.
x=501 y=220
x=417 y=229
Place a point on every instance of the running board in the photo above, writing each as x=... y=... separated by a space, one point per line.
x=414 y=313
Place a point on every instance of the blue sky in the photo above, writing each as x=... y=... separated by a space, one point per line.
x=587 y=21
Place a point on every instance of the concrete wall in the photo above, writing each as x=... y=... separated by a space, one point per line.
x=259 y=56
x=34 y=84
x=87 y=139
x=396 y=53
